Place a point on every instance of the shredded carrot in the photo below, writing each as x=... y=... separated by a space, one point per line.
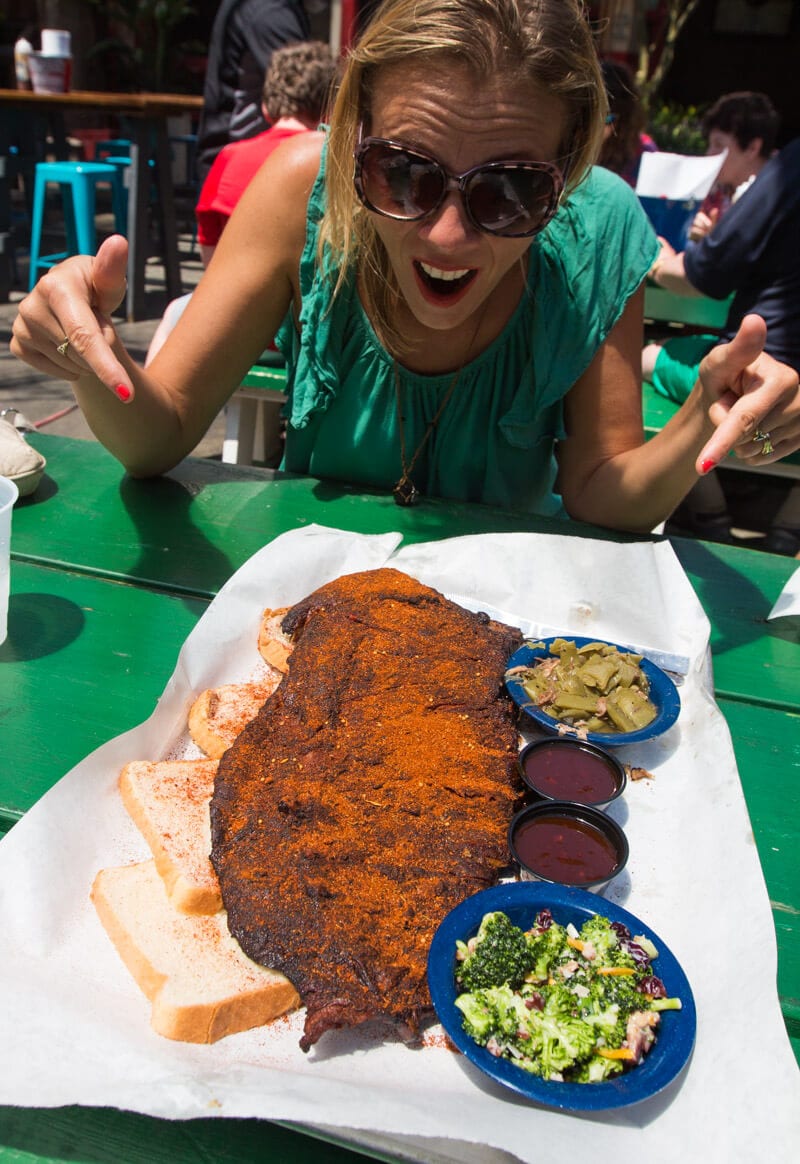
x=576 y=943
x=616 y=1053
x=618 y=971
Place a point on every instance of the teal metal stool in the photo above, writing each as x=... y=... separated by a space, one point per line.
x=78 y=182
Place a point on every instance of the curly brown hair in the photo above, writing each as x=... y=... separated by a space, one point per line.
x=299 y=81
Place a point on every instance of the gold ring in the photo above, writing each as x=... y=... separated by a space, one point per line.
x=767 y=446
x=758 y=435
x=63 y=347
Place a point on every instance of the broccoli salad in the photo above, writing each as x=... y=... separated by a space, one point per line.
x=569 y=1005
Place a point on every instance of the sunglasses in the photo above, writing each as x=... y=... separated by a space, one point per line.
x=509 y=199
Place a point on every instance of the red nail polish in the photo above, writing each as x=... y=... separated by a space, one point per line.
x=123 y=392
x=707 y=465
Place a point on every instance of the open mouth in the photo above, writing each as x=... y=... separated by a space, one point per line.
x=444 y=283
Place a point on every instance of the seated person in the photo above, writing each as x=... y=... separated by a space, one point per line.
x=746 y=125
x=244 y=35
x=624 y=139
x=296 y=91
x=456 y=288
x=753 y=253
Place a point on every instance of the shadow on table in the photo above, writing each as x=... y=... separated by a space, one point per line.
x=39 y=625
x=736 y=603
x=173 y=552
x=106 y=1136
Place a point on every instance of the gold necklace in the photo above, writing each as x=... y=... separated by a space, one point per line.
x=405 y=492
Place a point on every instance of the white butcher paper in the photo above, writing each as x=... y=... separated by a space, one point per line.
x=76 y=1028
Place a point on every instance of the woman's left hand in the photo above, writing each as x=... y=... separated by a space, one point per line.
x=754 y=401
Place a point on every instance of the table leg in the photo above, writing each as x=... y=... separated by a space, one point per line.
x=140 y=177
x=168 y=219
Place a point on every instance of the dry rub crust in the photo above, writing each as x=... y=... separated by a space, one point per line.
x=372 y=793
x=275 y=646
x=219 y=714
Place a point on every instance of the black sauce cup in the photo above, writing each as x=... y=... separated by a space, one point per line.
x=571 y=770
x=567 y=844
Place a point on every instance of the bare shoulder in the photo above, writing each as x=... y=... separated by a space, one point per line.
x=271 y=214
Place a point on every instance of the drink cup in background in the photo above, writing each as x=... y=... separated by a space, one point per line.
x=51 y=69
x=50 y=74
x=8 y=495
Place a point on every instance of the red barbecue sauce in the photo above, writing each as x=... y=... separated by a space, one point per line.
x=565 y=850
x=570 y=774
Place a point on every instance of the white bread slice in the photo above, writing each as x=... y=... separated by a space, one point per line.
x=218 y=715
x=168 y=801
x=274 y=645
x=201 y=986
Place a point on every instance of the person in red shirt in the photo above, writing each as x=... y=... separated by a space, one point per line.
x=297 y=87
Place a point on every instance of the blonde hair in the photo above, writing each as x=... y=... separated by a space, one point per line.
x=547 y=42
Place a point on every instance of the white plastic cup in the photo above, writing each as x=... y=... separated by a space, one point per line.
x=8 y=495
x=50 y=74
x=56 y=42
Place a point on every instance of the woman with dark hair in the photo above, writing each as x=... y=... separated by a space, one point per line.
x=625 y=140
x=457 y=290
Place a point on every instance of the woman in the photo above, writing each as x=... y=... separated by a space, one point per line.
x=445 y=335
x=624 y=139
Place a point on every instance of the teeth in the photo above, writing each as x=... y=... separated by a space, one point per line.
x=447 y=276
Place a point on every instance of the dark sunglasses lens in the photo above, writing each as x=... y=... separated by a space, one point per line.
x=400 y=183
x=513 y=200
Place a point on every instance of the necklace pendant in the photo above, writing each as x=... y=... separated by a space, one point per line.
x=405 y=492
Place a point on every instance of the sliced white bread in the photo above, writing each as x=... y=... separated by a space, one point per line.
x=274 y=645
x=168 y=801
x=201 y=986
x=218 y=715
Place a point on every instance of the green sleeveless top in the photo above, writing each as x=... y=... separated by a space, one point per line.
x=495 y=440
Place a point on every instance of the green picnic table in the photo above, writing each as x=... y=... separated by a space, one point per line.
x=110 y=574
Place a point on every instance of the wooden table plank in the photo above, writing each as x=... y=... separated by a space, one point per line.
x=190 y=531
x=86 y=655
x=766 y=743
x=756 y=660
x=697 y=311
x=107 y=1136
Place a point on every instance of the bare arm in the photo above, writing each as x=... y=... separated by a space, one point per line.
x=669 y=272
x=610 y=476
x=151 y=418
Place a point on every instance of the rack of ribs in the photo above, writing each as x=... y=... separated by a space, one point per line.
x=370 y=795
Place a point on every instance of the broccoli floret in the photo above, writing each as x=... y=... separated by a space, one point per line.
x=610 y=1023
x=598 y=1069
x=665 y=1004
x=500 y=953
x=549 y=947
x=478 y=1020
x=615 y=990
x=560 y=1001
x=565 y=1042
x=495 y=1010
x=605 y=940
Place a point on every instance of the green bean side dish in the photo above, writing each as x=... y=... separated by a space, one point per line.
x=595 y=687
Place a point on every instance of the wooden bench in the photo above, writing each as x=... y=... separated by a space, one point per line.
x=697 y=312
x=255 y=410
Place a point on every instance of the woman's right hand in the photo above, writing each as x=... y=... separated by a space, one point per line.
x=73 y=302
